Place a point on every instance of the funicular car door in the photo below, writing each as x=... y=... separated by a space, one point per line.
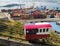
x=30 y=33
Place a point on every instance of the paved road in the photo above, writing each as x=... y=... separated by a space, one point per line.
x=39 y=20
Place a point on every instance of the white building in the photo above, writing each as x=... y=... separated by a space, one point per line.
x=4 y=15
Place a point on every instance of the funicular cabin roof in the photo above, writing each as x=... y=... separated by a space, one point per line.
x=37 y=25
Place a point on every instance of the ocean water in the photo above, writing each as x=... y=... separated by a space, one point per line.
x=54 y=26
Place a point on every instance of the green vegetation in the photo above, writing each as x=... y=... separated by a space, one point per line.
x=14 y=30
x=3 y=26
x=11 y=29
x=54 y=39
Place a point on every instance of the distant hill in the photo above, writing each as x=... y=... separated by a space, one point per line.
x=12 y=5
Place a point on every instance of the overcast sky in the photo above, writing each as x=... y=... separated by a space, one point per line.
x=4 y=2
x=48 y=3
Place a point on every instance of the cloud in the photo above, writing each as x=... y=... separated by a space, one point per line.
x=4 y=2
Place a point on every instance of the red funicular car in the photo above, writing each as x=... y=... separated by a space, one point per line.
x=34 y=31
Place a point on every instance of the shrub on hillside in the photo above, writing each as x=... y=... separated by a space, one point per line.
x=3 y=26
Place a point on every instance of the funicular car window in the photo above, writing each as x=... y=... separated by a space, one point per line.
x=47 y=30
x=40 y=30
x=31 y=31
x=43 y=30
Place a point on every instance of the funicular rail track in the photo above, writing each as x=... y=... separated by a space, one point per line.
x=12 y=43
x=34 y=43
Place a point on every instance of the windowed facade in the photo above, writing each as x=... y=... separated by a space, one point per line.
x=43 y=30
x=34 y=31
